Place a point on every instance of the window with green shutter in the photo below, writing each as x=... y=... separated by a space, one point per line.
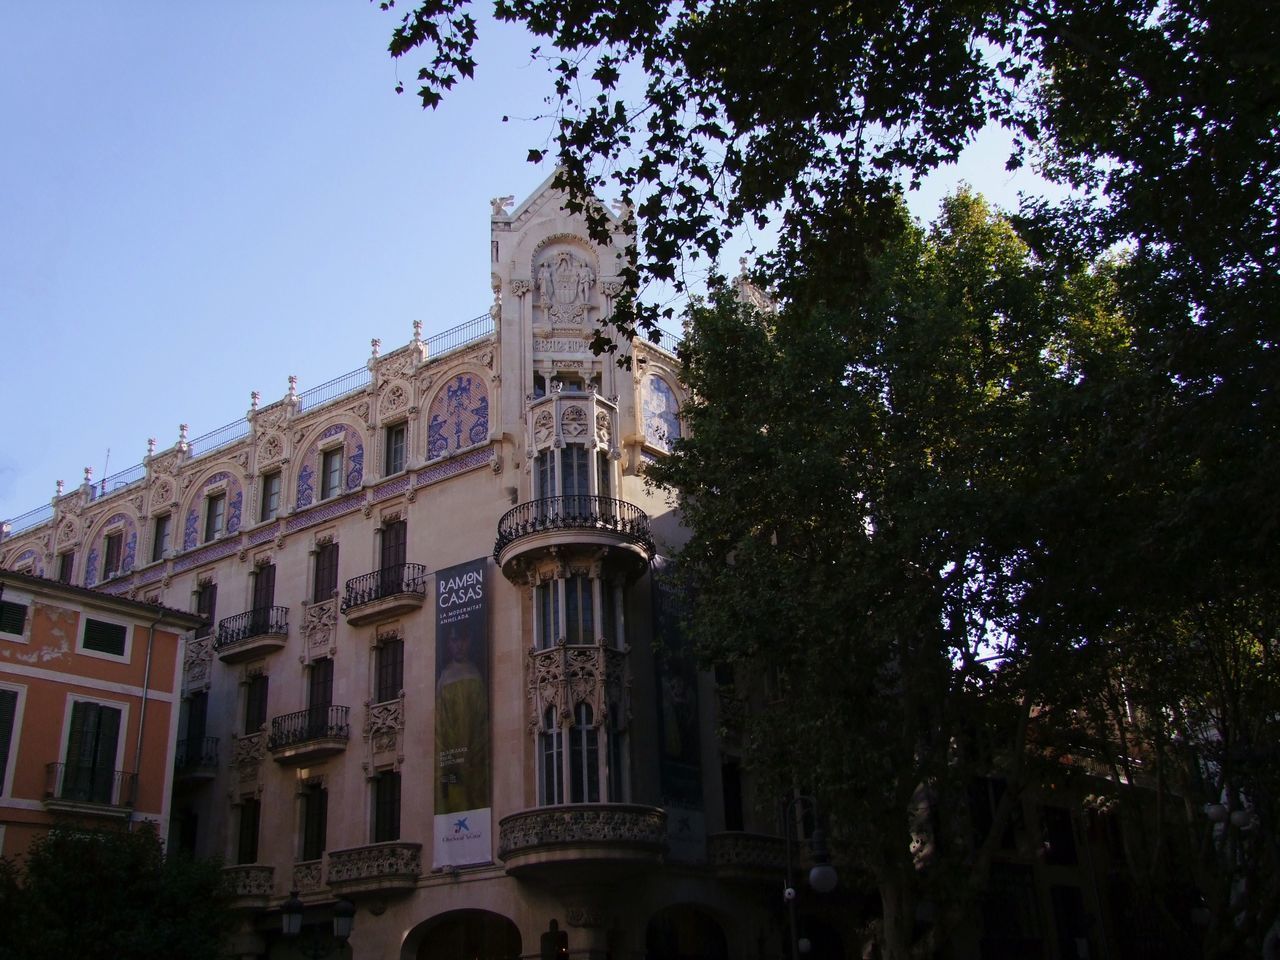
x=8 y=710
x=103 y=637
x=13 y=617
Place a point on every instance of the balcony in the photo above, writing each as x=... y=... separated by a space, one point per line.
x=596 y=840
x=252 y=633
x=388 y=592
x=747 y=856
x=250 y=885
x=538 y=525
x=308 y=735
x=380 y=868
x=196 y=759
x=77 y=789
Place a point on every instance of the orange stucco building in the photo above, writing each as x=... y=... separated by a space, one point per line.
x=89 y=692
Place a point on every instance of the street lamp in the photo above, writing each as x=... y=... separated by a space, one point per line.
x=316 y=946
x=822 y=875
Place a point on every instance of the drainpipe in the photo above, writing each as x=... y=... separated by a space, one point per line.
x=142 y=714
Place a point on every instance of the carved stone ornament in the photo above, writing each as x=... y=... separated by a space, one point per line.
x=611 y=288
x=165 y=463
x=520 y=287
x=586 y=915
x=162 y=495
x=544 y=426
x=306 y=875
x=563 y=676
x=377 y=862
x=248 y=754
x=603 y=429
x=573 y=422
x=564 y=284
x=136 y=503
x=582 y=823
x=360 y=409
x=250 y=880
x=271 y=448
x=319 y=625
x=383 y=723
x=66 y=532
x=195 y=664
x=394 y=398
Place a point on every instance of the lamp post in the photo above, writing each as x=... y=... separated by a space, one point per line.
x=316 y=946
x=822 y=875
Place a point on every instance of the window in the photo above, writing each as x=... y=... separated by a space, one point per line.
x=390 y=670
x=551 y=760
x=13 y=617
x=112 y=550
x=326 y=578
x=215 y=509
x=547 y=600
x=315 y=810
x=89 y=774
x=617 y=758
x=579 y=611
x=8 y=715
x=197 y=723
x=270 y=496
x=394 y=543
x=609 y=613
x=319 y=697
x=206 y=605
x=264 y=596
x=584 y=758
x=247 y=841
x=66 y=563
x=397 y=438
x=386 y=806
x=255 y=703
x=330 y=473
x=103 y=637
x=160 y=538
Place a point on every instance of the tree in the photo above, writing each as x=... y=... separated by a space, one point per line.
x=108 y=895
x=871 y=483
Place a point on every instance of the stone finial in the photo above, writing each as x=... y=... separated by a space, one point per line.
x=59 y=487
x=88 y=475
x=376 y=344
x=293 y=387
x=182 y=433
x=254 y=397
x=151 y=446
x=500 y=204
x=417 y=331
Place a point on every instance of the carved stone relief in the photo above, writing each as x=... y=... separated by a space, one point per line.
x=319 y=628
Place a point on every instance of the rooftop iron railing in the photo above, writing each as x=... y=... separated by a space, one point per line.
x=438 y=345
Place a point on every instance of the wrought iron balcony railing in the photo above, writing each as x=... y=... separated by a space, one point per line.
x=577 y=512
x=79 y=783
x=314 y=723
x=196 y=752
x=387 y=582
x=257 y=622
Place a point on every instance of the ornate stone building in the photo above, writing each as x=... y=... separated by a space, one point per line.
x=428 y=680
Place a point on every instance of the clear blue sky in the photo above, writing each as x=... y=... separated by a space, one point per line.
x=199 y=200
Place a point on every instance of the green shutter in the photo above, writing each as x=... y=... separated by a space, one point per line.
x=13 y=617
x=105 y=637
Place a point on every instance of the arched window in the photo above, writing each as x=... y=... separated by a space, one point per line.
x=584 y=758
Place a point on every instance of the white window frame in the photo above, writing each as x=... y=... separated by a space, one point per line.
x=85 y=617
x=27 y=600
x=15 y=740
x=338 y=447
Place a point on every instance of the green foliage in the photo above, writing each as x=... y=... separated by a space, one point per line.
x=112 y=895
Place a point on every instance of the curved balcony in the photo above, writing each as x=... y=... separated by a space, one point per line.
x=389 y=592
x=585 y=520
x=308 y=735
x=594 y=840
x=252 y=633
x=381 y=868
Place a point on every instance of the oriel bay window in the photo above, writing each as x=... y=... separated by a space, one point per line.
x=578 y=608
x=570 y=754
x=573 y=474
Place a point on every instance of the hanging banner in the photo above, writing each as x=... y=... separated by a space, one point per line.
x=463 y=812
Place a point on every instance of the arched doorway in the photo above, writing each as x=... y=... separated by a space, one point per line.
x=468 y=935
x=683 y=932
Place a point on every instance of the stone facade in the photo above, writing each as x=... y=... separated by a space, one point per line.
x=326 y=534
